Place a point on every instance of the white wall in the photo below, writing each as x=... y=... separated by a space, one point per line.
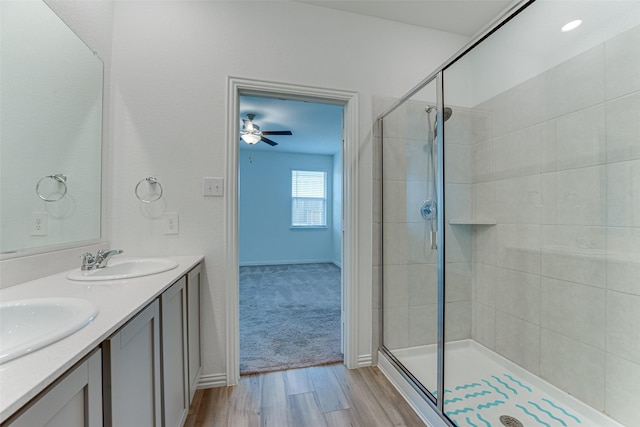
x=171 y=61
x=265 y=233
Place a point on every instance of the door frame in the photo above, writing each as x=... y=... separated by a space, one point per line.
x=240 y=86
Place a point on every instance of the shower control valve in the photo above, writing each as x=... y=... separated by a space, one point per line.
x=428 y=210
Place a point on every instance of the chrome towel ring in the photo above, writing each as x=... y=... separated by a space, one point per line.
x=152 y=195
x=60 y=179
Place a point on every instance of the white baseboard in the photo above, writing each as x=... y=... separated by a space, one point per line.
x=212 y=380
x=364 y=360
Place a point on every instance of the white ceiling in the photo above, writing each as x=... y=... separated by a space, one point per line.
x=464 y=17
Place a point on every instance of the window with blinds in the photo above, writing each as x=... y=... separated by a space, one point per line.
x=308 y=199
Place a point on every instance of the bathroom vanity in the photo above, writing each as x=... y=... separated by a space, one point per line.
x=137 y=363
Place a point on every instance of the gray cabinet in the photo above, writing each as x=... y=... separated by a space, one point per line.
x=193 y=324
x=132 y=372
x=175 y=387
x=74 y=400
x=153 y=362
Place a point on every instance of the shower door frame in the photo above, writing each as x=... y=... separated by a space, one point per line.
x=440 y=244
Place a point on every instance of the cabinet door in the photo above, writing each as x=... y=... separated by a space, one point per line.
x=132 y=372
x=74 y=400
x=193 y=323
x=175 y=387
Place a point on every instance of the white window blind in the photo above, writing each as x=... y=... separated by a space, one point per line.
x=308 y=199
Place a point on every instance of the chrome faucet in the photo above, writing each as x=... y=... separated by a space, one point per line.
x=89 y=262
x=103 y=257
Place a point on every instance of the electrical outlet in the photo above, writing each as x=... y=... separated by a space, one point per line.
x=171 y=225
x=39 y=224
x=212 y=187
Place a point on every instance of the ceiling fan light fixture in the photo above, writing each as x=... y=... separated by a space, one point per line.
x=250 y=138
x=251 y=133
x=250 y=127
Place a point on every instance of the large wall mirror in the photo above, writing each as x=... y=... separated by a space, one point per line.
x=50 y=132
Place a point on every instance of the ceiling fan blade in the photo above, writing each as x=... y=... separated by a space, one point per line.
x=270 y=142
x=276 y=132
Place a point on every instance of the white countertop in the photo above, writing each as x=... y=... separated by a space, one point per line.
x=118 y=301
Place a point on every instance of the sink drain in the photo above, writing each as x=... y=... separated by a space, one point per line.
x=508 y=421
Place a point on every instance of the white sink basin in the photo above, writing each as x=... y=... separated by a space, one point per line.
x=124 y=268
x=30 y=324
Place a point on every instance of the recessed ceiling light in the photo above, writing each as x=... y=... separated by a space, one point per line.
x=571 y=25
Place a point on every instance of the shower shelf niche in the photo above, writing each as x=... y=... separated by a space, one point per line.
x=468 y=221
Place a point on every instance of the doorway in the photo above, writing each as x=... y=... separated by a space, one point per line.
x=290 y=233
x=349 y=274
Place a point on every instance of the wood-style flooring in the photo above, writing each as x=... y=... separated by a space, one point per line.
x=328 y=396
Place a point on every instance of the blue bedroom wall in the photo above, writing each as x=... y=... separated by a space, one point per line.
x=265 y=233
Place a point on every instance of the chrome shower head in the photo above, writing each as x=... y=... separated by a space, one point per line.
x=448 y=112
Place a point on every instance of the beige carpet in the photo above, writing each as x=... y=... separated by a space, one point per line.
x=289 y=317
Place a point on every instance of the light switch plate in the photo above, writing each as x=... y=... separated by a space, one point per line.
x=212 y=187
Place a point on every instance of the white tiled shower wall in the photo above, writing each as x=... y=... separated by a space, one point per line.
x=556 y=282
x=410 y=265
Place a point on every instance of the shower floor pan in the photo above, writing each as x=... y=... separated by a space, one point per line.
x=482 y=386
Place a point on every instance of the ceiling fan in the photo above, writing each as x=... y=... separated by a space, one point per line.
x=251 y=133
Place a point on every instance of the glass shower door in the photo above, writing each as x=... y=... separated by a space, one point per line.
x=542 y=189
x=409 y=226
